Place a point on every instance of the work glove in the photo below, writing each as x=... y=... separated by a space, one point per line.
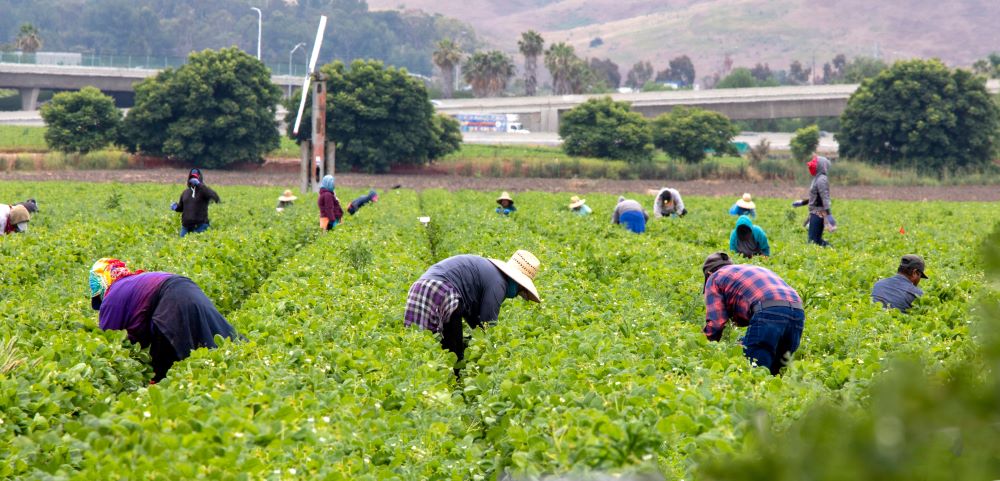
x=173 y=207
x=800 y=203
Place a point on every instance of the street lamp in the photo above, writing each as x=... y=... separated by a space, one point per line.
x=260 y=26
x=300 y=45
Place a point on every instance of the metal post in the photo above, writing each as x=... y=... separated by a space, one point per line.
x=304 y=153
x=260 y=27
x=319 y=126
x=300 y=45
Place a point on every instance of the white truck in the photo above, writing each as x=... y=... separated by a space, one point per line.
x=498 y=123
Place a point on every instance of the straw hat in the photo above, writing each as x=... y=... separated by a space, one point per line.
x=19 y=217
x=504 y=196
x=287 y=196
x=746 y=202
x=576 y=201
x=522 y=267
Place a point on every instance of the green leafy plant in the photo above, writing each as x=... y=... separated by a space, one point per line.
x=688 y=133
x=804 y=142
x=81 y=121
x=606 y=129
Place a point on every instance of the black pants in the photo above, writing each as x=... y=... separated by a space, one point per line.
x=816 y=230
x=452 y=339
x=162 y=354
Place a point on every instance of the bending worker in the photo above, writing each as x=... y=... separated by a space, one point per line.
x=166 y=312
x=468 y=287
x=630 y=213
x=579 y=206
x=13 y=219
x=900 y=290
x=755 y=297
x=668 y=202
x=748 y=239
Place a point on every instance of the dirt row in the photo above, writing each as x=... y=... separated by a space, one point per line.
x=986 y=193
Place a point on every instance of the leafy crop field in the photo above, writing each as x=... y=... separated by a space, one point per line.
x=610 y=373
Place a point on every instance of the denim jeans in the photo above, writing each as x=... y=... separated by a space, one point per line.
x=200 y=228
x=774 y=333
x=816 y=230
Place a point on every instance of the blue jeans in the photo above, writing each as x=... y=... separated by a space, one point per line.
x=816 y=230
x=774 y=333
x=199 y=228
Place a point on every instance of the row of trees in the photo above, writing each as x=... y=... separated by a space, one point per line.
x=220 y=107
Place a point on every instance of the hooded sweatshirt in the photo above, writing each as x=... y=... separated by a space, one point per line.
x=748 y=239
x=329 y=205
x=678 y=206
x=819 y=190
x=193 y=204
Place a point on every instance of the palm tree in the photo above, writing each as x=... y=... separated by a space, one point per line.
x=488 y=72
x=28 y=40
x=531 y=45
x=563 y=64
x=446 y=57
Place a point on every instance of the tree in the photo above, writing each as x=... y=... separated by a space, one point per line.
x=217 y=109
x=739 y=78
x=446 y=56
x=804 y=142
x=81 y=121
x=640 y=73
x=378 y=117
x=797 y=74
x=682 y=71
x=446 y=137
x=919 y=114
x=687 y=133
x=862 y=68
x=488 y=72
x=606 y=129
x=606 y=71
x=531 y=46
x=564 y=65
x=989 y=66
x=29 y=39
x=761 y=73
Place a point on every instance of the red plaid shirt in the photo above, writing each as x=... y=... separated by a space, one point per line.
x=731 y=290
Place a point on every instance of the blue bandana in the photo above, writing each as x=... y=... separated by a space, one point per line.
x=512 y=288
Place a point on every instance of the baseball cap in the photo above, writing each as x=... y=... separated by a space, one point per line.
x=913 y=261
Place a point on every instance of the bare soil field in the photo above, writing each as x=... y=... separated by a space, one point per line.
x=987 y=193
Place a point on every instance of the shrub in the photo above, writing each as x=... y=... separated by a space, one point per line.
x=687 y=133
x=606 y=129
x=81 y=121
x=804 y=142
x=759 y=152
x=447 y=136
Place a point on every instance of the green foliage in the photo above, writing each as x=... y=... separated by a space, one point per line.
x=606 y=129
x=805 y=141
x=447 y=136
x=570 y=74
x=741 y=78
x=686 y=133
x=81 y=121
x=639 y=75
x=989 y=66
x=379 y=116
x=488 y=72
x=921 y=115
x=217 y=109
x=861 y=69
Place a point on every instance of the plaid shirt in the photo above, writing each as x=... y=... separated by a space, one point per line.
x=430 y=304
x=731 y=290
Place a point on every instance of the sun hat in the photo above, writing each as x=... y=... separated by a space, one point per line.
x=287 y=196
x=504 y=196
x=522 y=268
x=19 y=217
x=913 y=261
x=746 y=202
x=576 y=201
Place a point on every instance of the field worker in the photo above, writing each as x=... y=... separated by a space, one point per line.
x=756 y=297
x=900 y=290
x=285 y=200
x=330 y=212
x=360 y=202
x=193 y=204
x=14 y=219
x=819 y=200
x=165 y=312
x=579 y=206
x=630 y=213
x=668 y=202
x=748 y=239
x=29 y=204
x=468 y=287
x=506 y=206
x=744 y=206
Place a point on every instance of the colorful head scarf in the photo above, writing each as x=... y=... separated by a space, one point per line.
x=327 y=182
x=106 y=272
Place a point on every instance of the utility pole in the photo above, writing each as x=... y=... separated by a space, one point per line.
x=260 y=28
x=300 y=45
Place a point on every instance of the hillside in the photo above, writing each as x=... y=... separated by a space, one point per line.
x=750 y=31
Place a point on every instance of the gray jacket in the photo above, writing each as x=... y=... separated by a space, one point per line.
x=819 y=190
x=677 y=208
x=626 y=205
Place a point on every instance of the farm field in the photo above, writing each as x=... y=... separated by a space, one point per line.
x=609 y=373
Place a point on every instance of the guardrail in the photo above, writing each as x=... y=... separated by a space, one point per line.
x=151 y=62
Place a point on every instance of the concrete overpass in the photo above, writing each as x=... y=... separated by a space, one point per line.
x=29 y=79
x=541 y=114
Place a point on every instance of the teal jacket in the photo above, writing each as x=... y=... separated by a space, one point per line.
x=758 y=235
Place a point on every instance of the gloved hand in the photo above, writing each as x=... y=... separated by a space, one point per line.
x=684 y=212
x=173 y=207
x=799 y=203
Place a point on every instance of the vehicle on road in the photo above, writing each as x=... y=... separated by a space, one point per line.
x=504 y=123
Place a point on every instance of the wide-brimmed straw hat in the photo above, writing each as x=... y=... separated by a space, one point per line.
x=576 y=201
x=522 y=268
x=746 y=202
x=504 y=196
x=19 y=217
x=287 y=196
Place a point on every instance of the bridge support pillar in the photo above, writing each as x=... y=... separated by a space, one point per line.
x=550 y=120
x=29 y=98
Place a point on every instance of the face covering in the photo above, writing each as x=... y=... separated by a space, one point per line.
x=512 y=288
x=813 y=165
